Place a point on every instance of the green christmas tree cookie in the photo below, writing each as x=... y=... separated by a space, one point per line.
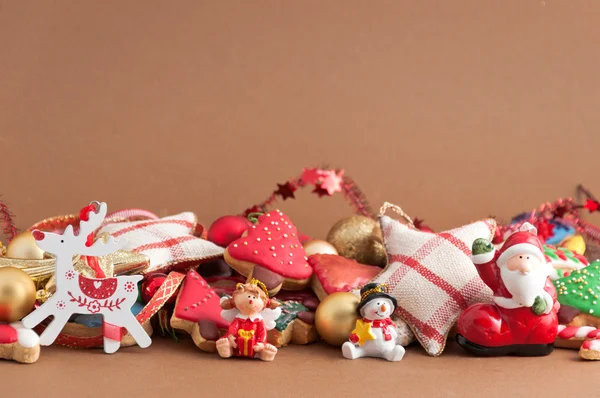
x=581 y=289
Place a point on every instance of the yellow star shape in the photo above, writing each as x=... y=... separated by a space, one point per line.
x=363 y=331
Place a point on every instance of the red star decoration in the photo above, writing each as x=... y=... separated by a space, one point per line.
x=285 y=191
x=544 y=230
x=592 y=205
x=320 y=191
x=332 y=182
x=311 y=176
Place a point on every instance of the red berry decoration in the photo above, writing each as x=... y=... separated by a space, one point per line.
x=151 y=285
x=226 y=229
x=272 y=253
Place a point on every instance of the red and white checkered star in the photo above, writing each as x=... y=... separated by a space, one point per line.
x=432 y=277
x=168 y=242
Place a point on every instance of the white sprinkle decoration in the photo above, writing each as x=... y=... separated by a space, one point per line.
x=272 y=247
x=245 y=243
x=258 y=239
x=594 y=302
x=291 y=254
x=266 y=229
x=591 y=311
x=269 y=239
x=272 y=222
x=306 y=258
x=585 y=297
x=289 y=226
x=254 y=226
x=285 y=235
x=291 y=263
x=235 y=245
x=268 y=214
x=282 y=246
x=274 y=254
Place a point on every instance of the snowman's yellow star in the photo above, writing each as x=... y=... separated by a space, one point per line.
x=363 y=331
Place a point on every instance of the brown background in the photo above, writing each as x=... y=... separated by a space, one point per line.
x=454 y=110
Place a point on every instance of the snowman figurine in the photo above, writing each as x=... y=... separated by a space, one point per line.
x=375 y=334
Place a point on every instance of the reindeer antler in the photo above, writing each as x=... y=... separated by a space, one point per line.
x=91 y=217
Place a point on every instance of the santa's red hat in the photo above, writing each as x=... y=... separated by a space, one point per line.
x=525 y=242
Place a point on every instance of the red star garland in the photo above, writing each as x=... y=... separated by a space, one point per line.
x=592 y=205
x=566 y=210
x=320 y=191
x=285 y=191
x=326 y=182
x=8 y=222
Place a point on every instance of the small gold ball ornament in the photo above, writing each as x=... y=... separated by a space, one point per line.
x=359 y=238
x=336 y=317
x=23 y=246
x=319 y=247
x=17 y=294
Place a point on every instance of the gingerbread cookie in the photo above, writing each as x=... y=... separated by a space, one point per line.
x=296 y=325
x=332 y=273
x=198 y=312
x=272 y=253
x=18 y=343
x=564 y=261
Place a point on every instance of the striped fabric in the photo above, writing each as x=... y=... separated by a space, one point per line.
x=168 y=242
x=432 y=277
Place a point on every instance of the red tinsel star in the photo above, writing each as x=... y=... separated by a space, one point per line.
x=285 y=191
x=311 y=176
x=332 y=182
x=544 y=230
x=320 y=191
x=253 y=209
x=592 y=205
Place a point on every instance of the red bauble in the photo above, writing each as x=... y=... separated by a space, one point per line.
x=151 y=285
x=226 y=229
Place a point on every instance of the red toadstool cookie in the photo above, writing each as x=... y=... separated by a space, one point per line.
x=333 y=273
x=198 y=312
x=272 y=253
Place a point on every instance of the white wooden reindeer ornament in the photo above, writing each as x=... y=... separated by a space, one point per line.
x=76 y=294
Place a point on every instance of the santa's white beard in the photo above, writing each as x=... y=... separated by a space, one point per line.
x=524 y=287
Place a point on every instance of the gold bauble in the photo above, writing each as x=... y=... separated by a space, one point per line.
x=359 y=238
x=336 y=317
x=17 y=294
x=23 y=246
x=319 y=247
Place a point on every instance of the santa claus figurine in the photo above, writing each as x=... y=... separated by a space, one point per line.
x=522 y=320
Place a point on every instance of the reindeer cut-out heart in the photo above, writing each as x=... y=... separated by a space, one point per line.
x=97 y=284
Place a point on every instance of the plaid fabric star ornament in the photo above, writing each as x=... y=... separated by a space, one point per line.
x=432 y=277
x=168 y=242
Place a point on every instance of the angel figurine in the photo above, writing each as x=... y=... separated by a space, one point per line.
x=251 y=314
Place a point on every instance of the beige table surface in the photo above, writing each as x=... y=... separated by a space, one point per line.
x=169 y=369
